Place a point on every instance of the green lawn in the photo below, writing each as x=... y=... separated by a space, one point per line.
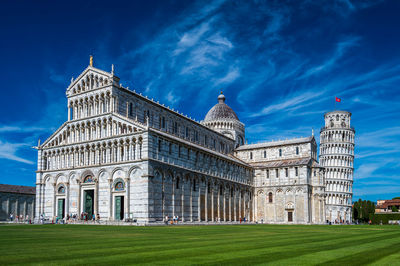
x=219 y=244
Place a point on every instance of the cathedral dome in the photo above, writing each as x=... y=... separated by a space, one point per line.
x=221 y=111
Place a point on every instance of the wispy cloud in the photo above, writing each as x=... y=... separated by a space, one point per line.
x=292 y=103
x=342 y=47
x=9 y=151
x=15 y=129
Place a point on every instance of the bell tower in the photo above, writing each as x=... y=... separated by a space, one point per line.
x=337 y=157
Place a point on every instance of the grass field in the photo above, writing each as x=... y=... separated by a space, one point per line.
x=219 y=244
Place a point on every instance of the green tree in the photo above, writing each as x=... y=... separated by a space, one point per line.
x=363 y=210
x=394 y=209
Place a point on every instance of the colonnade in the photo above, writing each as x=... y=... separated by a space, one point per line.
x=338 y=173
x=336 y=160
x=199 y=198
x=92 y=130
x=337 y=148
x=344 y=135
x=342 y=186
x=338 y=199
x=103 y=152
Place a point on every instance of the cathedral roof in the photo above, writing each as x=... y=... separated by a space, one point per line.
x=275 y=143
x=281 y=163
x=221 y=111
x=17 y=189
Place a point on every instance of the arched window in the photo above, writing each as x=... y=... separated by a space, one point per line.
x=337 y=117
x=270 y=197
x=280 y=152
x=177 y=183
x=119 y=186
x=88 y=179
x=251 y=156
x=61 y=190
x=265 y=154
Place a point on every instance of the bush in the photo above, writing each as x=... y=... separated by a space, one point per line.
x=384 y=217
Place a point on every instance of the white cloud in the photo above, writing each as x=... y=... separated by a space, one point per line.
x=5 y=128
x=341 y=48
x=231 y=76
x=9 y=150
x=366 y=170
x=171 y=98
x=291 y=102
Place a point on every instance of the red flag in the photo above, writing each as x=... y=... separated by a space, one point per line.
x=338 y=99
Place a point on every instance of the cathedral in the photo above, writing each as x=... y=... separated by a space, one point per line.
x=122 y=157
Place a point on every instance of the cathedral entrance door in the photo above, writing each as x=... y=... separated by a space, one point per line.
x=61 y=208
x=290 y=216
x=89 y=202
x=119 y=207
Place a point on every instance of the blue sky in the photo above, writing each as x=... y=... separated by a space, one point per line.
x=279 y=63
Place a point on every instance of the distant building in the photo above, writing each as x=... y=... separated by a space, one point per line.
x=337 y=157
x=384 y=206
x=16 y=200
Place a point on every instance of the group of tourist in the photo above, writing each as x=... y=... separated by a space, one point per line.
x=73 y=218
x=338 y=221
x=19 y=218
x=174 y=220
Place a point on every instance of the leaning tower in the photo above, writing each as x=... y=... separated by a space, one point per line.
x=337 y=156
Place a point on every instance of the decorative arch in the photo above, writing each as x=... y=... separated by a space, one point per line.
x=71 y=177
x=133 y=169
x=47 y=178
x=101 y=171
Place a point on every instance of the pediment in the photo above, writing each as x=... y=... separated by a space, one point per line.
x=65 y=134
x=90 y=79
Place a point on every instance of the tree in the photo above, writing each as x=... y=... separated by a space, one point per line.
x=396 y=198
x=362 y=210
x=394 y=209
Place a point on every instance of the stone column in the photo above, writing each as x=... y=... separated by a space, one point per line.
x=110 y=207
x=54 y=199
x=37 y=199
x=206 y=202
x=234 y=205
x=127 y=182
x=224 y=205
x=240 y=204
x=191 y=201
x=25 y=211
x=183 y=199
x=79 y=198
x=8 y=207
x=230 y=205
x=42 y=198
x=173 y=196
x=96 y=196
x=218 y=203
x=199 y=203
x=67 y=198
